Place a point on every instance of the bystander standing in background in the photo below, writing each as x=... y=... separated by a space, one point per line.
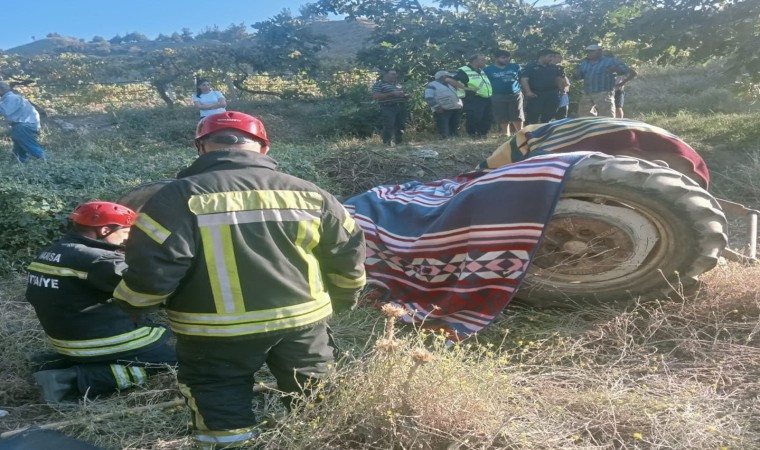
x=620 y=82
x=542 y=82
x=207 y=100
x=25 y=124
x=507 y=99
x=598 y=72
x=564 y=98
x=390 y=95
x=477 y=100
x=444 y=96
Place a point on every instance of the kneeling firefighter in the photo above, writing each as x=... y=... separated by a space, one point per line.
x=99 y=348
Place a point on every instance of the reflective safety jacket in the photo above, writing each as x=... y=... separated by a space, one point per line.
x=236 y=249
x=69 y=285
x=478 y=81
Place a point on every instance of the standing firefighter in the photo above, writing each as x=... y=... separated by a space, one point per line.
x=250 y=263
x=102 y=348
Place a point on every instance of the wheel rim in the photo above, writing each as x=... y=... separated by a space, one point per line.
x=599 y=240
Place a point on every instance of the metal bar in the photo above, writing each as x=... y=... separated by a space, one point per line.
x=752 y=235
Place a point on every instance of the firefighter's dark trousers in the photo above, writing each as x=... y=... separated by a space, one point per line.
x=216 y=377
x=110 y=373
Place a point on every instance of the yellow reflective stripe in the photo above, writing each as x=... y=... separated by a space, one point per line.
x=198 y=422
x=263 y=315
x=223 y=275
x=139 y=338
x=139 y=376
x=261 y=215
x=55 y=270
x=226 y=437
x=208 y=238
x=153 y=229
x=138 y=299
x=347 y=283
x=222 y=202
x=121 y=377
x=216 y=328
x=232 y=288
x=306 y=239
x=348 y=223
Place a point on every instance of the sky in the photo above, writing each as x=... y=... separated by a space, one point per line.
x=88 y=18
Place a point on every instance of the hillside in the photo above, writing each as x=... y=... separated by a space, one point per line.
x=345 y=39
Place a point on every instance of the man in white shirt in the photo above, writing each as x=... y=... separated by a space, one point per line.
x=24 y=121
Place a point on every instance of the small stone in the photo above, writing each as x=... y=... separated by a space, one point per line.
x=426 y=153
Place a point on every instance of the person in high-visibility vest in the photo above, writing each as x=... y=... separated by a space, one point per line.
x=477 y=100
x=250 y=263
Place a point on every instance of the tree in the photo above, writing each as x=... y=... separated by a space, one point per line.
x=693 y=30
x=419 y=40
x=135 y=37
x=212 y=33
x=187 y=35
x=236 y=32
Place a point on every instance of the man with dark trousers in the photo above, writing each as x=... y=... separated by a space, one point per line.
x=101 y=349
x=542 y=83
x=391 y=98
x=477 y=100
x=250 y=263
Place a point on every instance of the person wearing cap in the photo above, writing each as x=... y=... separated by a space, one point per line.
x=25 y=124
x=542 y=84
x=598 y=72
x=444 y=96
x=507 y=99
x=477 y=100
x=390 y=96
x=207 y=100
x=250 y=263
x=99 y=348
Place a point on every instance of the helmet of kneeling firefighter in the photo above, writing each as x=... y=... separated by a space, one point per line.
x=99 y=214
x=231 y=120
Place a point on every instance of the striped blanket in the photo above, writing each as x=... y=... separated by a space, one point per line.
x=454 y=251
x=605 y=135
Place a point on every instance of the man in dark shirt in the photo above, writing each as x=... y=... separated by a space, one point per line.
x=389 y=94
x=542 y=83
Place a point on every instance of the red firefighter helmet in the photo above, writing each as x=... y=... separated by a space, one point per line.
x=98 y=214
x=233 y=120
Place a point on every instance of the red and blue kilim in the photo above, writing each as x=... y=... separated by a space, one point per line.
x=602 y=134
x=454 y=251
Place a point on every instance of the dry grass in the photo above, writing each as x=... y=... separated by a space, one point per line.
x=676 y=374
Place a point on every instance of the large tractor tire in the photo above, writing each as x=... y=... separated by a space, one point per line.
x=624 y=228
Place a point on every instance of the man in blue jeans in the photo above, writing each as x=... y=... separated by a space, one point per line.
x=25 y=123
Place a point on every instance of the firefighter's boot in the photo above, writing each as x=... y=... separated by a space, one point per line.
x=56 y=385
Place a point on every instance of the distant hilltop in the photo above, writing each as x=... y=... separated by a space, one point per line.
x=345 y=39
